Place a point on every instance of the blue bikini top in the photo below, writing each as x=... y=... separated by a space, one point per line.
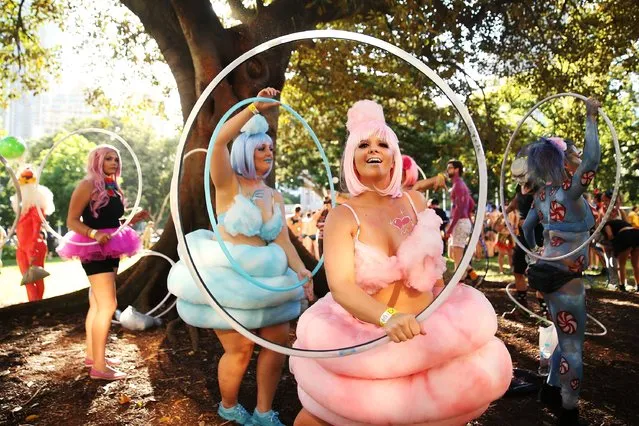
x=244 y=217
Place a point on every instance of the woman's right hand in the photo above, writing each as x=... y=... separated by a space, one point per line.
x=402 y=327
x=102 y=237
x=592 y=107
x=268 y=92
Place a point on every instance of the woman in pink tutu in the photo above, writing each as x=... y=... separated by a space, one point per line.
x=384 y=266
x=95 y=209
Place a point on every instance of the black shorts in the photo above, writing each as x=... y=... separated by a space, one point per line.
x=625 y=240
x=548 y=278
x=101 y=266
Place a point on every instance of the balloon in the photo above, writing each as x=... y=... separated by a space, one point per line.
x=12 y=147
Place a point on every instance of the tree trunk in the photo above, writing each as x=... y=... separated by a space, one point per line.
x=197 y=47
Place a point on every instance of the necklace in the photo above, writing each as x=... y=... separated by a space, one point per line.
x=110 y=185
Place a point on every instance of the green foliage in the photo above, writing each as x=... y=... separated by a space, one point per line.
x=528 y=50
x=26 y=65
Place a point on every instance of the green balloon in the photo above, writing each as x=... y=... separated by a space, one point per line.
x=12 y=147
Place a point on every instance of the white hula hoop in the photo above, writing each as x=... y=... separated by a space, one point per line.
x=168 y=294
x=502 y=178
x=546 y=320
x=137 y=166
x=344 y=35
x=16 y=183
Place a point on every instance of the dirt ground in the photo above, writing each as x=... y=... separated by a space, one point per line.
x=43 y=381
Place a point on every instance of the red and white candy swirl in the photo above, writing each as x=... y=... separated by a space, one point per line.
x=566 y=322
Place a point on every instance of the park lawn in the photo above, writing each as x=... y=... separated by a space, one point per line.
x=66 y=276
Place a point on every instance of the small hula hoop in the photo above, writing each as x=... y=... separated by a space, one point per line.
x=167 y=258
x=546 y=320
x=137 y=166
x=342 y=35
x=209 y=202
x=502 y=178
x=16 y=183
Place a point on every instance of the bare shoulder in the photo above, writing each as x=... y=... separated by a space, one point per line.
x=84 y=187
x=418 y=199
x=340 y=218
x=278 y=196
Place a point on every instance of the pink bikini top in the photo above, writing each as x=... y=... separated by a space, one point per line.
x=418 y=263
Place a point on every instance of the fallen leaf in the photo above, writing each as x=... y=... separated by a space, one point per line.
x=165 y=419
x=124 y=399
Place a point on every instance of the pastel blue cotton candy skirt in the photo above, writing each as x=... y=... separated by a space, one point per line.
x=252 y=306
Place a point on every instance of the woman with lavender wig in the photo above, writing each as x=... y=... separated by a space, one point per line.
x=557 y=165
x=95 y=209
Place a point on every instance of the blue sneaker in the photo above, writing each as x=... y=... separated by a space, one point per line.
x=266 y=419
x=236 y=413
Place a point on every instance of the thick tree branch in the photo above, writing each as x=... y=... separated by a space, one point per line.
x=161 y=23
x=240 y=12
x=304 y=17
x=210 y=49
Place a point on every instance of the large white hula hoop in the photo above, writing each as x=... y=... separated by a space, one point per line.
x=168 y=294
x=343 y=35
x=546 y=320
x=135 y=207
x=502 y=198
x=16 y=183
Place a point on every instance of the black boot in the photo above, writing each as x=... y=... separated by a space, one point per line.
x=570 y=418
x=550 y=396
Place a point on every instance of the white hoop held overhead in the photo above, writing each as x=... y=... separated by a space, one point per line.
x=343 y=35
x=137 y=166
x=16 y=183
x=546 y=320
x=502 y=198
x=168 y=294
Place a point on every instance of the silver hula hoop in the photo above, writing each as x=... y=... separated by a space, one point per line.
x=168 y=294
x=546 y=320
x=16 y=183
x=342 y=35
x=502 y=198
x=134 y=209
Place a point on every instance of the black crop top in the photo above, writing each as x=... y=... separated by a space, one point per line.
x=108 y=216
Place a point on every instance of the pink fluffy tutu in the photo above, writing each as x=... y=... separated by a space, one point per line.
x=124 y=243
x=447 y=376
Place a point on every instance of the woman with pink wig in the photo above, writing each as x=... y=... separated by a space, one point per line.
x=95 y=209
x=384 y=265
x=410 y=177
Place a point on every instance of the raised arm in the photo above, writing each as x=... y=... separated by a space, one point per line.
x=591 y=154
x=221 y=170
x=434 y=183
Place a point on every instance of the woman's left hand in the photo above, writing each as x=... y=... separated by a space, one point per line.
x=308 y=287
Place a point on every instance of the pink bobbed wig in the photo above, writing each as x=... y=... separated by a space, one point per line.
x=366 y=119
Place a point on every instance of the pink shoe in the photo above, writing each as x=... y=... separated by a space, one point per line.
x=110 y=374
x=111 y=362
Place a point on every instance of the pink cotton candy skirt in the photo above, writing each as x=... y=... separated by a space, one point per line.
x=447 y=376
x=125 y=243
